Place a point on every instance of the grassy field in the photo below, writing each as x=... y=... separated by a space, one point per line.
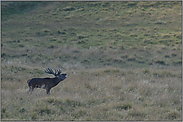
x=123 y=60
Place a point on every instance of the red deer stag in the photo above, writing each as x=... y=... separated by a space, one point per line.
x=46 y=83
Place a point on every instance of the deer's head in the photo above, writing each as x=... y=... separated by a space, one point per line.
x=57 y=73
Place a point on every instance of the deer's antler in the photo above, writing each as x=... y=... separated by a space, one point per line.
x=57 y=72
x=50 y=71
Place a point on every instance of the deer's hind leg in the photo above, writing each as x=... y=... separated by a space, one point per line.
x=30 y=89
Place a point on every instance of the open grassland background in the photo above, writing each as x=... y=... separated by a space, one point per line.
x=123 y=60
x=96 y=94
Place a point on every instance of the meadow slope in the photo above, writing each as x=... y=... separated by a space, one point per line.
x=123 y=60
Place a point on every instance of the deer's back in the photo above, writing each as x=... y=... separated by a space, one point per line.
x=37 y=81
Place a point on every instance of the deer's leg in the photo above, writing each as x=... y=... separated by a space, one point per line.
x=30 y=89
x=48 y=91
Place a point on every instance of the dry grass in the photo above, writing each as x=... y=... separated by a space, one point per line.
x=95 y=94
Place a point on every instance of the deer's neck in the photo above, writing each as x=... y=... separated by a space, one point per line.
x=57 y=79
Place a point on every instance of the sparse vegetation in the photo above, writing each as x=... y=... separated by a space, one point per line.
x=123 y=60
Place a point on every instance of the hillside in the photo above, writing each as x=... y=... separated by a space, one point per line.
x=105 y=33
x=123 y=60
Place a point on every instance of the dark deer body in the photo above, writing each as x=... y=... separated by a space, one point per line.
x=46 y=83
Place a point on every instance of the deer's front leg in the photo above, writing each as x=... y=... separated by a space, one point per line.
x=48 y=91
